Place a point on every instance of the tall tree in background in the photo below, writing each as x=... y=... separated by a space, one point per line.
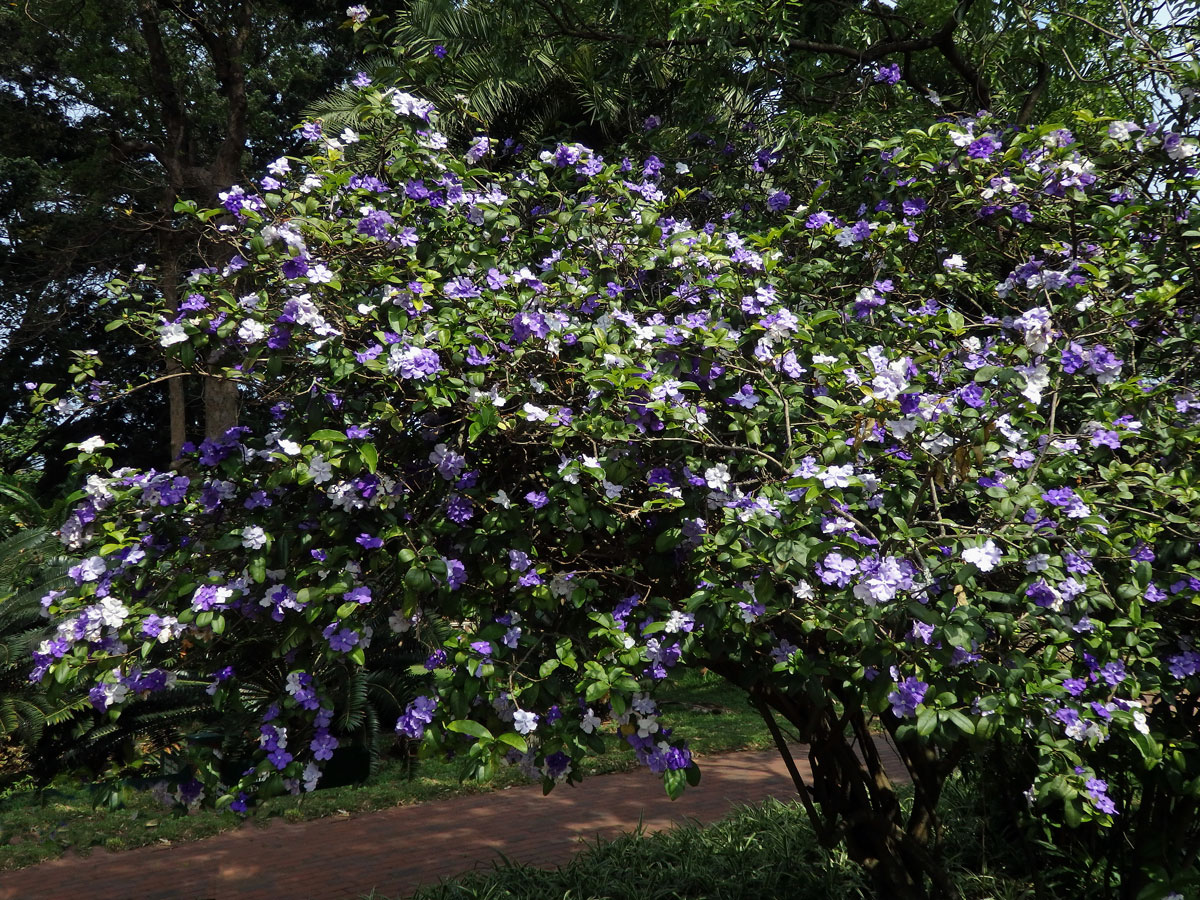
x=115 y=111
x=594 y=71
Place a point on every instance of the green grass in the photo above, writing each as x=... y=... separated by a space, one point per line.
x=758 y=852
x=714 y=717
x=763 y=851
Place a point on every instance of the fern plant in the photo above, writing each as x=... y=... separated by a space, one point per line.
x=31 y=565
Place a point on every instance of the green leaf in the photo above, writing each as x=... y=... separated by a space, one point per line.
x=515 y=741
x=327 y=434
x=470 y=727
x=675 y=781
x=927 y=720
x=370 y=457
x=960 y=721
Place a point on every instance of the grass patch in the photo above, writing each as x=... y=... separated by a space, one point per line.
x=769 y=850
x=713 y=716
x=760 y=851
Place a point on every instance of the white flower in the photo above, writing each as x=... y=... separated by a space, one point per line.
x=312 y=774
x=984 y=558
x=319 y=469
x=1184 y=148
x=837 y=476
x=535 y=413
x=113 y=612
x=253 y=537
x=678 y=621
x=280 y=167
x=92 y=444
x=400 y=623
x=890 y=383
x=320 y=273
x=1122 y=131
x=1037 y=379
x=291 y=448
x=717 y=477
x=348 y=136
x=171 y=333
x=1035 y=323
x=524 y=722
x=92 y=568
x=502 y=499
x=251 y=331
x=954 y=262
x=1039 y=562
x=681 y=168
x=612 y=491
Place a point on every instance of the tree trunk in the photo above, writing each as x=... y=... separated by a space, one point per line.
x=851 y=799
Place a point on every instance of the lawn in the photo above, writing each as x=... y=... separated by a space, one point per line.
x=714 y=717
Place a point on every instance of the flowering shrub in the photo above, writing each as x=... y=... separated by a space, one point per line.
x=911 y=453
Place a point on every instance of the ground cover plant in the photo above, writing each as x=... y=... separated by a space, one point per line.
x=909 y=450
x=768 y=850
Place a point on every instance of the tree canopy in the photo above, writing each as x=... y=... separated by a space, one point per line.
x=115 y=111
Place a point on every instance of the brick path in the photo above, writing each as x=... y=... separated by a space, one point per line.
x=396 y=850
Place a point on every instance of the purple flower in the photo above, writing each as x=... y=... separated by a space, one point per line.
x=779 y=201
x=367 y=542
x=459 y=509
x=1113 y=673
x=837 y=570
x=375 y=223
x=537 y=499
x=907 y=696
x=413 y=363
x=360 y=595
x=983 y=147
x=341 y=640
x=456 y=573
x=1060 y=497
x=888 y=74
x=972 y=395
x=461 y=288
x=1075 y=686
x=417 y=715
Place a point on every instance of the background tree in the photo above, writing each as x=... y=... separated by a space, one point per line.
x=115 y=112
x=595 y=71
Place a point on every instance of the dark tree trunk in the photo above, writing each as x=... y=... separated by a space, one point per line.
x=851 y=800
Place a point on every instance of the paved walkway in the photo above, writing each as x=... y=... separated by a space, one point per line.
x=394 y=851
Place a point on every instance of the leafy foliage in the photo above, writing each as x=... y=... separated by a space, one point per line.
x=907 y=449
